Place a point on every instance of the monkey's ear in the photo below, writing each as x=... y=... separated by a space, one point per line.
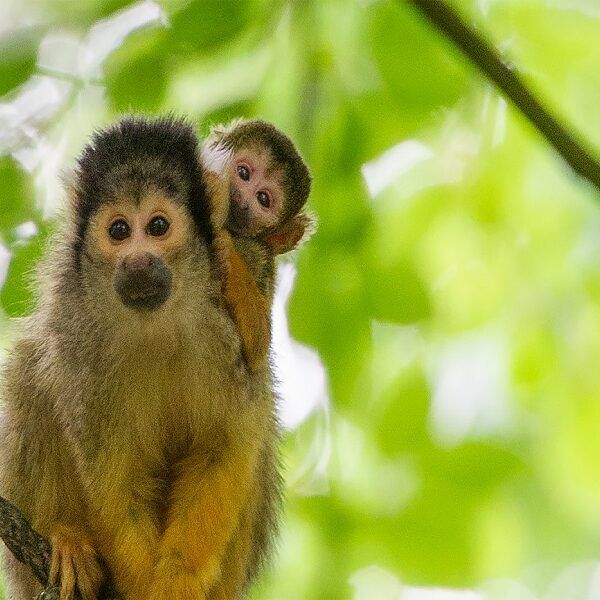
x=291 y=234
x=215 y=157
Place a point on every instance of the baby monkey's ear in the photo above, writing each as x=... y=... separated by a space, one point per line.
x=291 y=234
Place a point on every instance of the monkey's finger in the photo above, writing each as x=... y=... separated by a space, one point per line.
x=88 y=572
x=67 y=578
x=54 y=567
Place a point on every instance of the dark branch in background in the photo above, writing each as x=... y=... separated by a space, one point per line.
x=28 y=546
x=483 y=55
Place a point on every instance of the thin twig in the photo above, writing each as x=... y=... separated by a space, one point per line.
x=483 y=55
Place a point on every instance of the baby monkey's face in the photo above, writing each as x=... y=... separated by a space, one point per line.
x=137 y=245
x=256 y=192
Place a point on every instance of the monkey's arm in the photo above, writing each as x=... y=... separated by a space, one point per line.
x=123 y=500
x=252 y=541
x=246 y=304
x=235 y=565
x=37 y=474
x=239 y=559
x=205 y=507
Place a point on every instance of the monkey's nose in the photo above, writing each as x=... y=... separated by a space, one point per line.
x=143 y=281
x=142 y=261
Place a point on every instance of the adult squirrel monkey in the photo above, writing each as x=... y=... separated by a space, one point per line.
x=132 y=434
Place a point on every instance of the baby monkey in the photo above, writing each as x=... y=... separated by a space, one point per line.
x=259 y=186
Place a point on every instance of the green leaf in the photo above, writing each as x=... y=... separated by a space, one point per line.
x=18 y=52
x=16 y=196
x=420 y=70
x=16 y=297
x=137 y=73
x=207 y=25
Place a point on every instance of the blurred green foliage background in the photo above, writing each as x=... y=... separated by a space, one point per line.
x=452 y=290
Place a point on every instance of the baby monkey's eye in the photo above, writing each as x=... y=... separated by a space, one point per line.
x=243 y=172
x=157 y=227
x=119 y=230
x=264 y=199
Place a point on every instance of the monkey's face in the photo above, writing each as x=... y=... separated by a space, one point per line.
x=135 y=247
x=257 y=195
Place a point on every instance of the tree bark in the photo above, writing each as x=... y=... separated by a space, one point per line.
x=24 y=542
x=29 y=547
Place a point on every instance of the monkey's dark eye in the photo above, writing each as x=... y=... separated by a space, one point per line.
x=243 y=172
x=158 y=226
x=264 y=199
x=119 y=230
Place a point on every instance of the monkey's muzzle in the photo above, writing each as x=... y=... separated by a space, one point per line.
x=239 y=213
x=143 y=281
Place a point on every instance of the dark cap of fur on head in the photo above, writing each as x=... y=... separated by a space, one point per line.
x=241 y=134
x=140 y=153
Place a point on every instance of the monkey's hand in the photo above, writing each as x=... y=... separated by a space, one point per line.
x=74 y=565
x=246 y=305
x=176 y=584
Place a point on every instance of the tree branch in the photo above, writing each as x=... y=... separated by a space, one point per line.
x=52 y=593
x=483 y=55
x=28 y=546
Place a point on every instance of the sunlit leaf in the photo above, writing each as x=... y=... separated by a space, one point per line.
x=16 y=296
x=17 y=58
x=16 y=204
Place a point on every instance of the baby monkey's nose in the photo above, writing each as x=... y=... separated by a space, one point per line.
x=143 y=281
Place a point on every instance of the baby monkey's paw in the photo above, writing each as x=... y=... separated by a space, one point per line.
x=75 y=565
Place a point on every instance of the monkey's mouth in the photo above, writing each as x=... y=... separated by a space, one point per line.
x=145 y=286
x=238 y=217
x=145 y=299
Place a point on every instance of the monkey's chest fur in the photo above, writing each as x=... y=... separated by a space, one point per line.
x=127 y=442
x=127 y=421
x=164 y=400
